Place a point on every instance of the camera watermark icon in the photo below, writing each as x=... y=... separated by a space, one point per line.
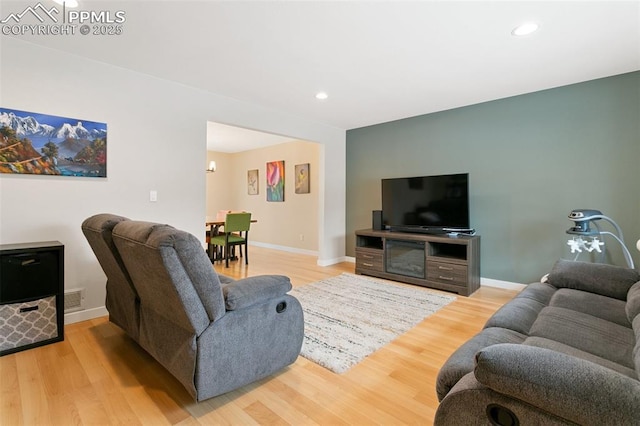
x=41 y=20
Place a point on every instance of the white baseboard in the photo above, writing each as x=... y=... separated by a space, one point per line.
x=329 y=262
x=320 y=262
x=283 y=248
x=490 y=282
x=85 y=315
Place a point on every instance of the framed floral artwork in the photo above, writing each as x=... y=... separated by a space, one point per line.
x=275 y=181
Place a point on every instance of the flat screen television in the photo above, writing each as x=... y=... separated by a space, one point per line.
x=428 y=203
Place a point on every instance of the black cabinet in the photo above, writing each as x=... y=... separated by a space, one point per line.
x=31 y=295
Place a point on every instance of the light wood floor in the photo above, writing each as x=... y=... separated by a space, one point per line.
x=98 y=376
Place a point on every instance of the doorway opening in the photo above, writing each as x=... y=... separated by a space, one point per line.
x=240 y=183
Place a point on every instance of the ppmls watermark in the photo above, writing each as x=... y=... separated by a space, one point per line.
x=40 y=20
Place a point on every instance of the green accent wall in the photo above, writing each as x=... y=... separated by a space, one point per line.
x=531 y=159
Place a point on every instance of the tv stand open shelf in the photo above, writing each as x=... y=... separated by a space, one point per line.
x=437 y=261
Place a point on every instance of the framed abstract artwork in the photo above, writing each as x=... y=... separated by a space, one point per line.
x=252 y=182
x=302 y=178
x=41 y=144
x=275 y=181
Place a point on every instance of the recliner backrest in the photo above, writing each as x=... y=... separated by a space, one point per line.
x=632 y=309
x=122 y=299
x=171 y=273
x=180 y=293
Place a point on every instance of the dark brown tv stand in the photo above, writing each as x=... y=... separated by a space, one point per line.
x=444 y=262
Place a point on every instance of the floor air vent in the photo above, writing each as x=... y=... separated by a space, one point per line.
x=74 y=300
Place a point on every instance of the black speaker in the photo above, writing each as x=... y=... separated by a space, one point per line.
x=377 y=220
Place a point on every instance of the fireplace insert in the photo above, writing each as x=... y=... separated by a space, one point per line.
x=405 y=258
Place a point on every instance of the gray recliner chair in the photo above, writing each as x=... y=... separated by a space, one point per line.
x=122 y=300
x=213 y=335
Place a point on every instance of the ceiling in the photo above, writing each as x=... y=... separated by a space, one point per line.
x=378 y=61
x=224 y=138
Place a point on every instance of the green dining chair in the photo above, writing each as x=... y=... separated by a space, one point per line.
x=236 y=233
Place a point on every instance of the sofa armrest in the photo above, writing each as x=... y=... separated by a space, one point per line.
x=250 y=291
x=606 y=280
x=566 y=386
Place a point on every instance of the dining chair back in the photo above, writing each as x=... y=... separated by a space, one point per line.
x=237 y=222
x=236 y=233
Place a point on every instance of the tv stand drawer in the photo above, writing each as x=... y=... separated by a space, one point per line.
x=447 y=273
x=370 y=259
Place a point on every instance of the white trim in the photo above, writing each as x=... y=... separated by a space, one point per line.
x=284 y=248
x=490 y=282
x=85 y=315
x=320 y=262
x=329 y=262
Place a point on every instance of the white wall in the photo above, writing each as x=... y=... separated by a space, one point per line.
x=290 y=225
x=331 y=168
x=218 y=194
x=156 y=141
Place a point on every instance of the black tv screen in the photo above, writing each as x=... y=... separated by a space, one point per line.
x=426 y=201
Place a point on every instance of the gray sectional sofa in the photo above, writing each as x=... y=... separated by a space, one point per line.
x=564 y=351
x=212 y=333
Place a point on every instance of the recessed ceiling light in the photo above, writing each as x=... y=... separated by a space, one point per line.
x=525 y=29
x=322 y=96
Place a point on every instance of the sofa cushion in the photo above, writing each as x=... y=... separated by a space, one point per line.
x=632 y=307
x=462 y=361
x=541 y=342
x=587 y=333
x=540 y=292
x=520 y=313
x=517 y=315
x=598 y=278
x=636 y=349
x=607 y=308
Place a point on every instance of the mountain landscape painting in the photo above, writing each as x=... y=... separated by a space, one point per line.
x=32 y=143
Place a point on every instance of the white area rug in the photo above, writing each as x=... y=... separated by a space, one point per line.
x=348 y=317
